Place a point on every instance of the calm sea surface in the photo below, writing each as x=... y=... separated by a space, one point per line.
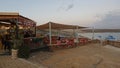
x=103 y=36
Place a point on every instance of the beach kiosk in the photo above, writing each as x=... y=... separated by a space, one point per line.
x=22 y=24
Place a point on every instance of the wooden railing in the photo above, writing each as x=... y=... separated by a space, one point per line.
x=113 y=43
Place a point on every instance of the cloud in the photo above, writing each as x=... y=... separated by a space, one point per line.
x=110 y=21
x=66 y=6
x=69 y=7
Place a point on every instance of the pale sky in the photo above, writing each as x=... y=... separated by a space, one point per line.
x=99 y=13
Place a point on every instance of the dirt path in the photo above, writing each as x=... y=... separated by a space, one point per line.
x=89 y=56
x=8 y=62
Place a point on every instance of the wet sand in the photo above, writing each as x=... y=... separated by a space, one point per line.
x=88 y=56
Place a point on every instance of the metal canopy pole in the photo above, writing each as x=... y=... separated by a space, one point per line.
x=93 y=33
x=59 y=33
x=77 y=34
x=73 y=33
x=50 y=33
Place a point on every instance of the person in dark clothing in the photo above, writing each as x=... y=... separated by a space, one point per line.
x=2 y=41
x=26 y=35
x=6 y=43
x=9 y=46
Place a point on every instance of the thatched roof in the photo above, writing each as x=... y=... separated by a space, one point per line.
x=58 y=26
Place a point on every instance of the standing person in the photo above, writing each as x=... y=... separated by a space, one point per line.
x=3 y=38
x=26 y=35
x=1 y=44
x=6 y=42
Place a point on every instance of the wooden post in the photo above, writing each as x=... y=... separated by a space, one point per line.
x=16 y=27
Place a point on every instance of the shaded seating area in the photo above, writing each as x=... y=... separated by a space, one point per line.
x=57 y=40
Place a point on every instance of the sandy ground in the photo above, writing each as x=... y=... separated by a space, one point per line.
x=88 y=56
x=6 y=61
